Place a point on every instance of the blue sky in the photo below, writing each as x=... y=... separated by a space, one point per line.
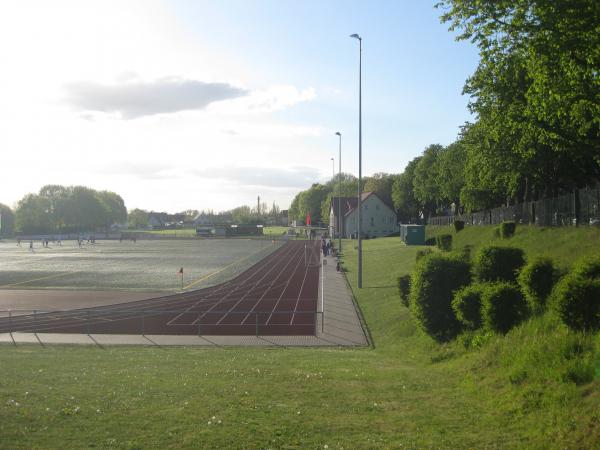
x=413 y=69
x=198 y=104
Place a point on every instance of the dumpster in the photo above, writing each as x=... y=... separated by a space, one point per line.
x=412 y=234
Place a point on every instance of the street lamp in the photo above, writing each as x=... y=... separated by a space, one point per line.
x=356 y=36
x=332 y=169
x=339 y=194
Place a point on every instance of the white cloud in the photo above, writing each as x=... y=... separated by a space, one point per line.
x=135 y=99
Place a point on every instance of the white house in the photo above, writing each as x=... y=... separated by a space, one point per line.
x=378 y=219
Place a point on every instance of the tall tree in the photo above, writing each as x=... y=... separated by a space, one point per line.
x=7 y=220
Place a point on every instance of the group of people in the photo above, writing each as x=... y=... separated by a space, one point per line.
x=325 y=245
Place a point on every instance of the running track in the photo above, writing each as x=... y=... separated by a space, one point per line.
x=276 y=296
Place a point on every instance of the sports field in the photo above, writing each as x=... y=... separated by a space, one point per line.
x=147 y=265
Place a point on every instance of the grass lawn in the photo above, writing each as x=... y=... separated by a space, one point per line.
x=406 y=392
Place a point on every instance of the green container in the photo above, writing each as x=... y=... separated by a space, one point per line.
x=412 y=234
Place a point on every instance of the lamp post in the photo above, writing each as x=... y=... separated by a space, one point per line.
x=332 y=169
x=356 y=36
x=340 y=194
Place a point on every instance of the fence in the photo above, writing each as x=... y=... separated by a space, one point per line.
x=166 y=322
x=582 y=207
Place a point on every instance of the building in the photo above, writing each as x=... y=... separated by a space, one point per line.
x=378 y=218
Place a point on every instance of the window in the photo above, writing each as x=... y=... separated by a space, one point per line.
x=372 y=222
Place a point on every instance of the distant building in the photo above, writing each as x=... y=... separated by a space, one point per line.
x=378 y=218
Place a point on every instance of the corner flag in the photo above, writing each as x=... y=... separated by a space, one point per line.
x=308 y=219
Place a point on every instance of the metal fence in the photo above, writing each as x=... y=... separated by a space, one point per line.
x=162 y=321
x=581 y=207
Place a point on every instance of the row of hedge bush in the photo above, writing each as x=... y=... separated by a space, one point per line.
x=448 y=293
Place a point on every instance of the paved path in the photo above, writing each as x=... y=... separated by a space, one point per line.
x=339 y=325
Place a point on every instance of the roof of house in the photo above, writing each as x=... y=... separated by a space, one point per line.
x=349 y=204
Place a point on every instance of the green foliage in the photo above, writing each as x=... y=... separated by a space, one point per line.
x=466 y=304
x=507 y=229
x=380 y=183
x=137 y=218
x=404 y=288
x=537 y=280
x=7 y=226
x=403 y=194
x=588 y=268
x=459 y=225
x=66 y=209
x=503 y=306
x=422 y=253
x=444 y=242
x=431 y=241
x=577 y=302
x=433 y=282
x=494 y=263
x=534 y=93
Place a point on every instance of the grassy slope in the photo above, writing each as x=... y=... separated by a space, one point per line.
x=565 y=245
x=407 y=391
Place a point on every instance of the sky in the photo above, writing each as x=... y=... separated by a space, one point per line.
x=181 y=105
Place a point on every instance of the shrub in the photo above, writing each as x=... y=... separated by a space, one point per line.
x=588 y=268
x=536 y=280
x=496 y=232
x=466 y=305
x=464 y=253
x=459 y=225
x=577 y=302
x=433 y=281
x=498 y=263
x=404 y=288
x=502 y=306
x=422 y=253
x=431 y=241
x=507 y=229
x=444 y=242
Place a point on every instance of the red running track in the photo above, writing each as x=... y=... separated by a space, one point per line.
x=276 y=296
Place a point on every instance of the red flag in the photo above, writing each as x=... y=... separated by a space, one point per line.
x=180 y=271
x=308 y=219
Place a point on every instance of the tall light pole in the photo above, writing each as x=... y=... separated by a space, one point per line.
x=356 y=36
x=332 y=169
x=340 y=195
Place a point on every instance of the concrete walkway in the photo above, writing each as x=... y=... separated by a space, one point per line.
x=338 y=324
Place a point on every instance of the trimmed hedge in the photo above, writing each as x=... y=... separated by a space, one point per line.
x=444 y=242
x=578 y=302
x=537 y=280
x=433 y=282
x=431 y=241
x=466 y=304
x=459 y=225
x=588 y=268
x=404 y=289
x=422 y=253
x=507 y=229
x=498 y=263
x=503 y=306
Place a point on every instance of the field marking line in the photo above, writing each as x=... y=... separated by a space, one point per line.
x=205 y=277
x=41 y=278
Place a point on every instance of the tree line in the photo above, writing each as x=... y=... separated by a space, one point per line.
x=535 y=96
x=64 y=209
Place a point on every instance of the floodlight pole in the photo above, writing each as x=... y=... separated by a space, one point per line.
x=340 y=195
x=356 y=36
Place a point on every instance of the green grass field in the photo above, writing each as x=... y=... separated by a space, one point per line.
x=513 y=391
x=148 y=265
